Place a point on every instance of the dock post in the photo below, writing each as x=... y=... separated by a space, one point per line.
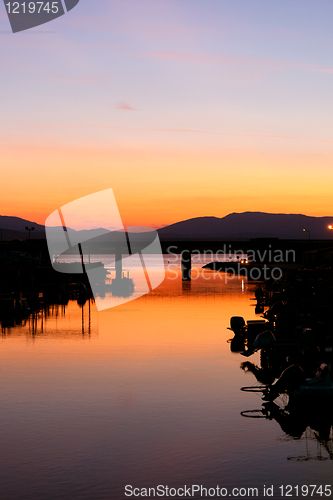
x=186 y=265
x=118 y=263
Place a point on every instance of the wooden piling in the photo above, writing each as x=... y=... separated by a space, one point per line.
x=186 y=265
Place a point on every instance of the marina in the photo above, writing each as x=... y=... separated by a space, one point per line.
x=171 y=392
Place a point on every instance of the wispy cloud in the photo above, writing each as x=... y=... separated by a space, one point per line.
x=124 y=106
x=171 y=130
x=264 y=63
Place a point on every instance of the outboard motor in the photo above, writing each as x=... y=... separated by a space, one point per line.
x=237 y=324
x=290 y=379
x=259 y=294
x=237 y=344
x=275 y=309
x=263 y=341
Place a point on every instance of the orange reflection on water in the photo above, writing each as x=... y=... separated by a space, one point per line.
x=150 y=396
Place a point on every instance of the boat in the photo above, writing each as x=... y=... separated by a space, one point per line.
x=293 y=382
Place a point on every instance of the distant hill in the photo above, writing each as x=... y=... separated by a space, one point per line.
x=14 y=227
x=236 y=225
x=18 y=224
x=250 y=225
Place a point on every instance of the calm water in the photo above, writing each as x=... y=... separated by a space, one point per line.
x=143 y=394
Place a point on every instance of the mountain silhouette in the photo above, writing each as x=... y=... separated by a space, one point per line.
x=18 y=224
x=14 y=227
x=235 y=226
x=250 y=225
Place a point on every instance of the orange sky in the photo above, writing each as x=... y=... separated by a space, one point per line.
x=156 y=185
x=185 y=112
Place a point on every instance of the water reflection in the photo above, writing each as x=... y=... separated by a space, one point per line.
x=58 y=320
x=300 y=419
x=150 y=396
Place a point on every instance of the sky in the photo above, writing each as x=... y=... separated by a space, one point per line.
x=184 y=108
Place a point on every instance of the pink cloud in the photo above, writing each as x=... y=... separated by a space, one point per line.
x=124 y=106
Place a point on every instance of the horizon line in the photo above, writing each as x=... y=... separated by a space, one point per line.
x=162 y=226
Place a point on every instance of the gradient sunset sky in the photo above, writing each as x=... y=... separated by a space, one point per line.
x=185 y=108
